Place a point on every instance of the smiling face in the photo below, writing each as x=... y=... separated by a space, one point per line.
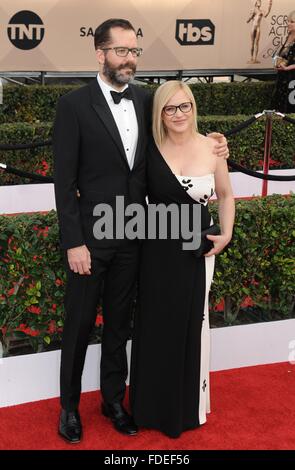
x=179 y=122
x=118 y=70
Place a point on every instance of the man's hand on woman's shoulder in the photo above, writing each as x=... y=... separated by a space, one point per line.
x=221 y=147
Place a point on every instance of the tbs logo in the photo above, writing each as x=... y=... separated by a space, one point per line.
x=195 y=32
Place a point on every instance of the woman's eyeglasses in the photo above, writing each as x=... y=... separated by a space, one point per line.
x=184 y=108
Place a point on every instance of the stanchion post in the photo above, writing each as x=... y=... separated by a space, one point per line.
x=267 y=150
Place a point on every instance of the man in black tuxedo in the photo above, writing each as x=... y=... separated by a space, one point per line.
x=99 y=147
x=99 y=141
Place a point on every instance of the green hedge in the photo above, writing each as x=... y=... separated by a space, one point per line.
x=33 y=103
x=37 y=160
x=37 y=103
x=246 y=147
x=257 y=267
x=233 y=98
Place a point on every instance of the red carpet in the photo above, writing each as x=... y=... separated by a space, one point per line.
x=252 y=408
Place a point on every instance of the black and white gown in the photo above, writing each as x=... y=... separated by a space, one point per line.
x=169 y=384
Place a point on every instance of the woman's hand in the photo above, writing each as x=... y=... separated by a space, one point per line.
x=220 y=241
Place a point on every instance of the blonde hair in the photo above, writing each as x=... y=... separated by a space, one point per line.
x=163 y=94
x=291 y=15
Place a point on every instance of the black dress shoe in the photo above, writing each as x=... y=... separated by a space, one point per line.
x=122 y=421
x=70 y=427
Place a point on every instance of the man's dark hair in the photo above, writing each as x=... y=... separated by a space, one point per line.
x=102 y=35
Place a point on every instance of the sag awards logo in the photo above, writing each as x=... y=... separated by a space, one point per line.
x=277 y=33
x=25 y=30
x=86 y=31
x=195 y=32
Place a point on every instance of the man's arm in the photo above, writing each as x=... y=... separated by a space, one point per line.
x=66 y=156
x=66 y=141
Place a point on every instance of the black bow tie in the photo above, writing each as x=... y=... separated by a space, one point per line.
x=118 y=96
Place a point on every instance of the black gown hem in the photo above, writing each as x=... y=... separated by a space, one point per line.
x=150 y=427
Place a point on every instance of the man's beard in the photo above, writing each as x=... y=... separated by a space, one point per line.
x=114 y=74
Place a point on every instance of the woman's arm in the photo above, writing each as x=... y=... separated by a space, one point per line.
x=286 y=67
x=225 y=197
x=226 y=207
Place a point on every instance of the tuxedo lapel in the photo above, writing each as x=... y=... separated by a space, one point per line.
x=105 y=115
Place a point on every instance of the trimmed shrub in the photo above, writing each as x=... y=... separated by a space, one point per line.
x=256 y=270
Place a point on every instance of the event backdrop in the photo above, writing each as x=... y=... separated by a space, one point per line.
x=57 y=35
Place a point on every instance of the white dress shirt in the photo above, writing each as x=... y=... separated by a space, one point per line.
x=125 y=118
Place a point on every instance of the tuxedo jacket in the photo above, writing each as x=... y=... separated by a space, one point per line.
x=89 y=157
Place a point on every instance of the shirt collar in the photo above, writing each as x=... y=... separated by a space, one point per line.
x=106 y=88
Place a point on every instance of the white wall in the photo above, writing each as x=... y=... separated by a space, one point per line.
x=40 y=197
x=36 y=376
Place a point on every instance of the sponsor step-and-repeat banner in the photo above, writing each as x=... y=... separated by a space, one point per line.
x=57 y=35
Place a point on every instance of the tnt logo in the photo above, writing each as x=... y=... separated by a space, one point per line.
x=25 y=30
x=195 y=32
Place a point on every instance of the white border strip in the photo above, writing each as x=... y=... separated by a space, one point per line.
x=36 y=376
x=40 y=197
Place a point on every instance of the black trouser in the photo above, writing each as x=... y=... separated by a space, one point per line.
x=117 y=269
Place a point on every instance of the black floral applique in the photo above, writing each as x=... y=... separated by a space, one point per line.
x=205 y=198
x=186 y=184
x=204 y=385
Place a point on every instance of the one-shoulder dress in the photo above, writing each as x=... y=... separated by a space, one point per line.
x=169 y=383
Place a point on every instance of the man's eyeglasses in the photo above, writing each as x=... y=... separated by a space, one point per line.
x=124 y=51
x=184 y=108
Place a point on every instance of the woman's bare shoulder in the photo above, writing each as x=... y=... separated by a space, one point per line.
x=208 y=142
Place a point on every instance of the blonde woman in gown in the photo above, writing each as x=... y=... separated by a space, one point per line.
x=169 y=386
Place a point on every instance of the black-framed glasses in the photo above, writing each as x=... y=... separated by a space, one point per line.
x=124 y=51
x=184 y=108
